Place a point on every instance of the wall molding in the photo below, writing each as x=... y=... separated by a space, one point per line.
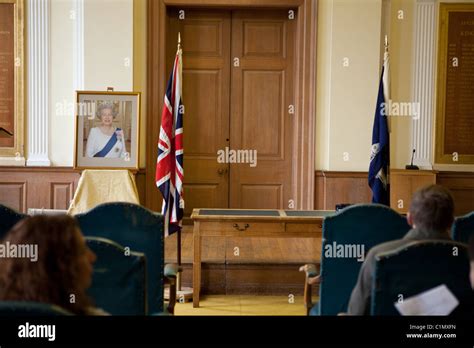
x=424 y=82
x=39 y=29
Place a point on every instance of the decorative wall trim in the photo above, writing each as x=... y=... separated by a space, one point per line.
x=38 y=81
x=424 y=82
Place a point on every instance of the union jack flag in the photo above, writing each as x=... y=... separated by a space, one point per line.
x=169 y=166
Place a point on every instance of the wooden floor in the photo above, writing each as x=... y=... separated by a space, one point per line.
x=244 y=305
x=249 y=250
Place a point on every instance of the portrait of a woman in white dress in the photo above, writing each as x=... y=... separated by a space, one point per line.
x=106 y=140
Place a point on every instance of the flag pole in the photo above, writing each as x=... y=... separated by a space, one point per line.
x=184 y=294
x=178 y=239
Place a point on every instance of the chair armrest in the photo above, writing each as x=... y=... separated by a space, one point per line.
x=312 y=277
x=171 y=272
x=310 y=270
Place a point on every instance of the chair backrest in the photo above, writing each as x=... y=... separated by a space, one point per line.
x=360 y=225
x=119 y=279
x=417 y=267
x=463 y=228
x=137 y=228
x=28 y=309
x=8 y=219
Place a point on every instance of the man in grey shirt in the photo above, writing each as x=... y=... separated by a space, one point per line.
x=431 y=215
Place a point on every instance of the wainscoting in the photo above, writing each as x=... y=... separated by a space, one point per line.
x=54 y=187
x=44 y=187
x=47 y=188
x=333 y=188
x=461 y=185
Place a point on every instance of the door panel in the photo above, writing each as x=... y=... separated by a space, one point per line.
x=206 y=94
x=262 y=90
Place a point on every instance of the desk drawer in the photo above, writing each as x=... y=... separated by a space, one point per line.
x=234 y=228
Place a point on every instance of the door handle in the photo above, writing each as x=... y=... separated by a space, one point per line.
x=241 y=229
x=222 y=171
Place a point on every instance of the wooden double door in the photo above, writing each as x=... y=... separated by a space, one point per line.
x=238 y=91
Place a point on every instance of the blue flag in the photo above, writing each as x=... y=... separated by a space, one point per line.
x=380 y=153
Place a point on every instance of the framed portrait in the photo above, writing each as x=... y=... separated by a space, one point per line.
x=107 y=130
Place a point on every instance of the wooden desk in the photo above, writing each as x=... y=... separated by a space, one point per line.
x=251 y=223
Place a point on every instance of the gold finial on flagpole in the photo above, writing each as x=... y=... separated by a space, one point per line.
x=179 y=41
x=386 y=42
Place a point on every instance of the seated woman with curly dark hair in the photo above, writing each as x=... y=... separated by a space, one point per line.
x=61 y=271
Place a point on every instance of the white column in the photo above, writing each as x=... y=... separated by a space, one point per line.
x=38 y=82
x=424 y=81
x=79 y=45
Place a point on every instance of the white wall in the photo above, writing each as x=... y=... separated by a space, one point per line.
x=108 y=38
x=61 y=84
x=108 y=62
x=346 y=95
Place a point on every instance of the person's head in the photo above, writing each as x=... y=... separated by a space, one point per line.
x=106 y=113
x=431 y=209
x=60 y=273
x=471 y=256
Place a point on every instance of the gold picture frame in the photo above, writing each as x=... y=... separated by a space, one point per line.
x=15 y=155
x=441 y=154
x=94 y=149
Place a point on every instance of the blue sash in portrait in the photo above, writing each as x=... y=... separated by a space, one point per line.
x=110 y=144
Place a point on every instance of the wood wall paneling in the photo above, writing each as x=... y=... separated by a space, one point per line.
x=461 y=185
x=46 y=187
x=403 y=183
x=333 y=188
x=13 y=194
x=61 y=194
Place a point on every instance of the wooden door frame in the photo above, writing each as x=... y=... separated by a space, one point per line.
x=305 y=88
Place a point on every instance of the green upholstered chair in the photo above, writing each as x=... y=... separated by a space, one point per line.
x=141 y=230
x=29 y=309
x=418 y=267
x=119 y=280
x=8 y=219
x=463 y=228
x=358 y=225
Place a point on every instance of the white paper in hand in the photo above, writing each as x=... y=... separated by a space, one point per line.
x=437 y=301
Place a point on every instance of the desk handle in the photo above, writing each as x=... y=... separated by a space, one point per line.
x=238 y=228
